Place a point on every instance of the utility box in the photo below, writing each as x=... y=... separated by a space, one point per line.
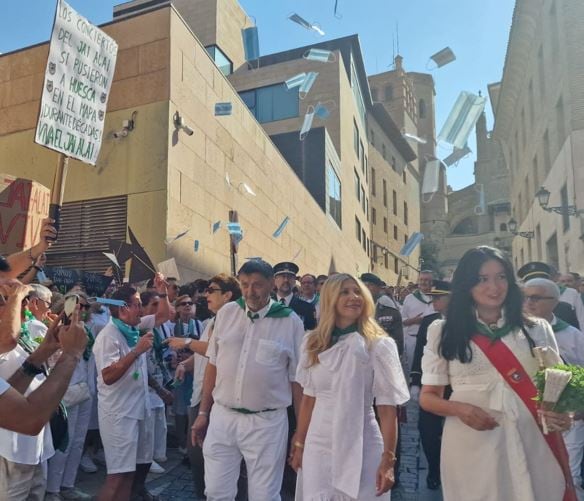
x=23 y=206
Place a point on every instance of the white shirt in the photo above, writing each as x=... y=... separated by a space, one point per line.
x=256 y=361
x=128 y=396
x=573 y=298
x=37 y=329
x=4 y=386
x=286 y=299
x=14 y=446
x=411 y=308
x=200 y=364
x=570 y=343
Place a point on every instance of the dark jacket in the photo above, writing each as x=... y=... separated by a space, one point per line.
x=390 y=319
x=416 y=372
x=305 y=311
x=565 y=312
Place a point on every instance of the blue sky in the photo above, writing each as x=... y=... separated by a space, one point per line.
x=477 y=31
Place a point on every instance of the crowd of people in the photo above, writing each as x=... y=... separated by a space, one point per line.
x=276 y=381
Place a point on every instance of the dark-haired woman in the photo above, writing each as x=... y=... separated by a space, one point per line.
x=493 y=448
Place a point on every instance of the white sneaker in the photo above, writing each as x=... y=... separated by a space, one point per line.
x=74 y=494
x=99 y=457
x=53 y=496
x=87 y=465
x=156 y=468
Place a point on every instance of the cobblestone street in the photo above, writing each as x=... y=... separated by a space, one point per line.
x=176 y=483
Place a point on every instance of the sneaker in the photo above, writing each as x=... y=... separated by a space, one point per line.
x=87 y=465
x=156 y=468
x=74 y=493
x=99 y=457
x=53 y=496
x=161 y=459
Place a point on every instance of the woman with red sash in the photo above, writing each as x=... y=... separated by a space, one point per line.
x=493 y=448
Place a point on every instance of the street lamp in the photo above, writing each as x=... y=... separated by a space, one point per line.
x=543 y=197
x=512 y=225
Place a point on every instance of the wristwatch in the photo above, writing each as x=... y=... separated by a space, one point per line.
x=30 y=369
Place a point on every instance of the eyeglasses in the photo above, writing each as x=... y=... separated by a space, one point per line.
x=210 y=290
x=186 y=303
x=536 y=299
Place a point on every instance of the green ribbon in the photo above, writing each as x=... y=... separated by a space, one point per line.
x=252 y=316
x=418 y=296
x=337 y=333
x=90 y=343
x=560 y=325
x=129 y=332
x=496 y=333
x=277 y=310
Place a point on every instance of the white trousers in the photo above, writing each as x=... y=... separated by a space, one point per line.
x=157 y=423
x=574 y=440
x=410 y=348
x=62 y=470
x=260 y=439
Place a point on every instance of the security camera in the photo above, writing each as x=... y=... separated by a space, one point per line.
x=120 y=133
x=179 y=123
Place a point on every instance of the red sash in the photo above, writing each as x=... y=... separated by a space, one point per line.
x=519 y=381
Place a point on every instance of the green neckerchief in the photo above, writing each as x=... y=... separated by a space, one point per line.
x=191 y=329
x=157 y=345
x=25 y=341
x=560 y=325
x=562 y=289
x=418 y=296
x=90 y=343
x=129 y=332
x=277 y=310
x=494 y=334
x=337 y=333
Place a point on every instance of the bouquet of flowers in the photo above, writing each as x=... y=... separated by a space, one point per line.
x=561 y=389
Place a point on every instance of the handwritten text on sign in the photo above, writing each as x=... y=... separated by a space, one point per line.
x=78 y=79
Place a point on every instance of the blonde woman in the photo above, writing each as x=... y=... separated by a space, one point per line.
x=348 y=364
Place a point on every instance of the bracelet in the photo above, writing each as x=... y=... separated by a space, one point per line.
x=203 y=413
x=392 y=455
x=37 y=268
x=300 y=445
x=30 y=369
x=187 y=341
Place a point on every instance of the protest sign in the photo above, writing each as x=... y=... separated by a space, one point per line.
x=78 y=79
x=23 y=206
x=94 y=284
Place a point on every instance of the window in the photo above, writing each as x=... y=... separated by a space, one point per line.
x=405 y=238
x=422 y=108
x=374 y=94
x=357 y=94
x=271 y=103
x=394 y=203
x=333 y=199
x=404 y=176
x=357 y=185
x=386 y=260
x=373 y=215
x=394 y=232
x=364 y=240
x=561 y=123
x=383 y=152
x=372 y=138
x=503 y=227
x=564 y=199
x=362 y=155
x=406 y=213
x=395 y=265
x=388 y=92
x=356 y=140
x=393 y=164
x=357 y=228
x=385 y=225
x=384 y=193
x=372 y=181
x=366 y=168
x=221 y=60
x=363 y=201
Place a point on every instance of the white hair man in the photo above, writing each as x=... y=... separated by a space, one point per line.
x=39 y=304
x=541 y=297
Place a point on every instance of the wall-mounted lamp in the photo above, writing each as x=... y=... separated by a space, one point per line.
x=512 y=225
x=127 y=127
x=543 y=197
x=179 y=123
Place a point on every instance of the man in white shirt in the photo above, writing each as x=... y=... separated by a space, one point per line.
x=39 y=304
x=122 y=385
x=541 y=297
x=250 y=377
x=569 y=294
x=416 y=306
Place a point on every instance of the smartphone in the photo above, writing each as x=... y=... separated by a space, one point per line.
x=69 y=307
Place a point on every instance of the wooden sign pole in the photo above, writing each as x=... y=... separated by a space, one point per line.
x=58 y=191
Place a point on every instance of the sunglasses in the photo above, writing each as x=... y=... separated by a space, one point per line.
x=210 y=290
x=186 y=303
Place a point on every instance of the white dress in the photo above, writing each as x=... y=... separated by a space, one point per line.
x=344 y=444
x=512 y=462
